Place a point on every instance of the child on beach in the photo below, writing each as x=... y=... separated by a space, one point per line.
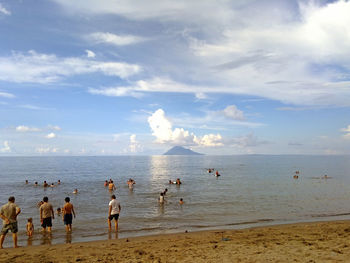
x=58 y=211
x=30 y=227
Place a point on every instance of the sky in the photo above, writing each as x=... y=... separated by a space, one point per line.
x=220 y=77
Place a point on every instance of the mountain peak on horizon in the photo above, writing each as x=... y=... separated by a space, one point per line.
x=179 y=150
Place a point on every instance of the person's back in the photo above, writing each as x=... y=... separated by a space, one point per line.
x=9 y=210
x=67 y=208
x=46 y=210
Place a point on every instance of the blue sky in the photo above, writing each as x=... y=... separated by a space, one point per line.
x=120 y=77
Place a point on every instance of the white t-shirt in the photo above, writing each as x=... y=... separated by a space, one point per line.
x=115 y=206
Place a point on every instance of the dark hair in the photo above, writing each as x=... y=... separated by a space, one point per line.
x=113 y=196
x=67 y=199
x=30 y=219
x=45 y=199
x=11 y=198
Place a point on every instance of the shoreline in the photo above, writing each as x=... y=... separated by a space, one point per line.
x=299 y=242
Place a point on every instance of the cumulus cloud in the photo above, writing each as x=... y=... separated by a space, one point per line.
x=90 y=54
x=23 y=128
x=162 y=129
x=4 y=11
x=134 y=145
x=47 y=68
x=113 y=39
x=6 y=147
x=232 y=112
x=6 y=95
x=51 y=135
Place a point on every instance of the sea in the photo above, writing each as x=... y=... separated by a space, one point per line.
x=253 y=190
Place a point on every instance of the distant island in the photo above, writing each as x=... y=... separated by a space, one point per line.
x=178 y=150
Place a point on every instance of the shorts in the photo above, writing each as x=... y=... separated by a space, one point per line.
x=68 y=218
x=11 y=226
x=115 y=216
x=47 y=222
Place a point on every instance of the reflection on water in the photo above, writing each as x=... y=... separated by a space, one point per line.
x=30 y=241
x=250 y=190
x=68 y=237
x=46 y=238
x=112 y=235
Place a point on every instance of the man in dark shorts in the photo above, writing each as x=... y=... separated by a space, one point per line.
x=8 y=214
x=46 y=214
x=113 y=213
x=67 y=214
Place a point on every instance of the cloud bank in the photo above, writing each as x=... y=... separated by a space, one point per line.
x=165 y=134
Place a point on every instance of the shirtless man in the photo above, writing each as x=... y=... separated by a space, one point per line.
x=46 y=214
x=113 y=212
x=8 y=214
x=67 y=214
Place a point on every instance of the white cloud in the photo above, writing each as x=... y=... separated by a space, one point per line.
x=162 y=129
x=4 y=10
x=23 y=128
x=50 y=135
x=134 y=145
x=232 y=112
x=210 y=140
x=347 y=132
x=54 y=127
x=113 y=39
x=154 y=9
x=7 y=95
x=6 y=147
x=90 y=54
x=47 y=68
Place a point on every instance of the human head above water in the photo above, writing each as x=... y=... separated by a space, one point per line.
x=113 y=197
x=45 y=199
x=11 y=199
x=67 y=199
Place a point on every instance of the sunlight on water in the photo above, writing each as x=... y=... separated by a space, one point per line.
x=252 y=191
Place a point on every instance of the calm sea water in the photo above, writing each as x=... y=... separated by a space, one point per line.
x=252 y=191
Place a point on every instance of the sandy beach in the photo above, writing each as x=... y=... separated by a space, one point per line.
x=303 y=242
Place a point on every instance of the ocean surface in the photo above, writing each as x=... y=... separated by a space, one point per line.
x=253 y=190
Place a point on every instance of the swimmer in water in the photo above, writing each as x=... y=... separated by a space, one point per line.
x=131 y=183
x=111 y=186
x=178 y=182
x=181 y=202
x=59 y=182
x=217 y=173
x=45 y=184
x=106 y=183
x=75 y=191
x=161 y=198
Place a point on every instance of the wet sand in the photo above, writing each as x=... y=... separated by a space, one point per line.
x=304 y=242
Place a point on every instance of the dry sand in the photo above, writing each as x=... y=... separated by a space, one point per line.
x=305 y=242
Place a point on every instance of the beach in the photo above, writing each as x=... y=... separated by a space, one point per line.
x=302 y=242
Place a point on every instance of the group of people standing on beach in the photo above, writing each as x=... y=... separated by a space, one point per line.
x=11 y=210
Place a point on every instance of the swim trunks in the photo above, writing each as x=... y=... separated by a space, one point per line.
x=68 y=218
x=115 y=216
x=11 y=226
x=47 y=222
